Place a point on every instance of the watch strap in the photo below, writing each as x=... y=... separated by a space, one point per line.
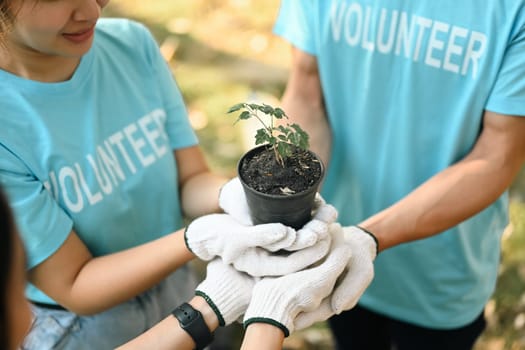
x=192 y=322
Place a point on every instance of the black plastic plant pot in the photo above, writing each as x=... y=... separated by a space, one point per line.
x=293 y=210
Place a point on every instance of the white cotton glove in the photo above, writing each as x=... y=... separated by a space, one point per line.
x=317 y=228
x=226 y=290
x=351 y=283
x=260 y=262
x=359 y=270
x=233 y=201
x=221 y=235
x=279 y=300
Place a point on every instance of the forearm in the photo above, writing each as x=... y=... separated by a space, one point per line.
x=200 y=194
x=168 y=334
x=103 y=282
x=444 y=201
x=262 y=336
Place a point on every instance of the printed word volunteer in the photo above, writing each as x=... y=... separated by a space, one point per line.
x=138 y=145
x=437 y=44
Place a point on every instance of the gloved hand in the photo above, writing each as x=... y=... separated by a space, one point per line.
x=317 y=228
x=352 y=282
x=260 y=262
x=233 y=201
x=221 y=235
x=226 y=290
x=279 y=300
x=359 y=271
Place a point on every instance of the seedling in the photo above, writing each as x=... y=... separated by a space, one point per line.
x=280 y=138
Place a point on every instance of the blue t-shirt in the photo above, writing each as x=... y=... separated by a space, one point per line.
x=405 y=86
x=94 y=153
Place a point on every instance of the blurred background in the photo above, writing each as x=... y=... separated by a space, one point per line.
x=223 y=52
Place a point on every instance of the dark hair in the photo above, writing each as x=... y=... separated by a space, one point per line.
x=6 y=261
x=7 y=19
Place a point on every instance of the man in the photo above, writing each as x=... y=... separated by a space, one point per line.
x=418 y=109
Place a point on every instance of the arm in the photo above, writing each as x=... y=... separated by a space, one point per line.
x=199 y=186
x=468 y=186
x=304 y=104
x=168 y=334
x=221 y=298
x=262 y=336
x=87 y=285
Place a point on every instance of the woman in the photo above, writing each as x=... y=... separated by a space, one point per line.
x=100 y=163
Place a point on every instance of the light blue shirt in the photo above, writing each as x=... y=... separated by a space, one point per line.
x=405 y=85
x=94 y=153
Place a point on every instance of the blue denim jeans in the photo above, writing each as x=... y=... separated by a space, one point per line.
x=61 y=329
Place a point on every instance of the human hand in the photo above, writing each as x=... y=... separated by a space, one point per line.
x=226 y=290
x=279 y=300
x=318 y=227
x=221 y=235
x=352 y=282
x=260 y=262
x=359 y=271
x=233 y=201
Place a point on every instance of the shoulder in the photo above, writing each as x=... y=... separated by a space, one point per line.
x=121 y=31
x=119 y=37
x=120 y=27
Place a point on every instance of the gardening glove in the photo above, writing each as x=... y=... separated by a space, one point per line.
x=226 y=290
x=344 y=296
x=233 y=201
x=260 y=262
x=359 y=269
x=317 y=228
x=307 y=318
x=221 y=235
x=279 y=300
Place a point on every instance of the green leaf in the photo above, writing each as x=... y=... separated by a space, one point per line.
x=245 y=115
x=262 y=137
x=266 y=109
x=284 y=149
x=282 y=137
x=236 y=107
x=279 y=113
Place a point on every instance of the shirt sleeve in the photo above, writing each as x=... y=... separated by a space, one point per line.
x=42 y=224
x=296 y=23
x=508 y=93
x=178 y=127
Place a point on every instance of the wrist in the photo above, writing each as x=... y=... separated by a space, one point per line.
x=371 y=235
x=211 y=304
x=208 y=314
x=192 y=321
x=263 y=336
x=251 y=322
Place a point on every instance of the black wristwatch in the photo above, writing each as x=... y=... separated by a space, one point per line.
x=192 y=322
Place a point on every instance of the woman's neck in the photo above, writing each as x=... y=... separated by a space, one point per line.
x=37 y=66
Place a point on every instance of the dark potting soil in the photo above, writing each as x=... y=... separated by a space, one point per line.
x=264 y=174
